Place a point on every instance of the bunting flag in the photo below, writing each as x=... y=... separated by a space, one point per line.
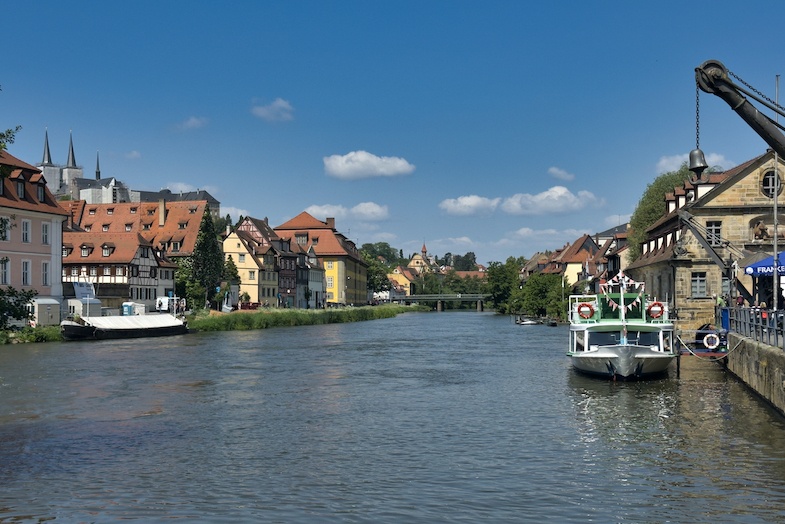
x=623 y=281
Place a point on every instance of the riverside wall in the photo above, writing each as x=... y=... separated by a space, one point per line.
x=760 y=366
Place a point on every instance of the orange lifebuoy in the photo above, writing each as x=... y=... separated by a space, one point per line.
x=585 y=310
x=655 y=310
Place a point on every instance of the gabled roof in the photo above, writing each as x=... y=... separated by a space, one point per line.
x=31 y=179
x=331 y=243
x=181 y=221
x=123 y=247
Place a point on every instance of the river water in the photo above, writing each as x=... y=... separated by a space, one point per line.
x=426 y=417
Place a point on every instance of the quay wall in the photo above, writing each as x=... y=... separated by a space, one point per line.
x=760 y=366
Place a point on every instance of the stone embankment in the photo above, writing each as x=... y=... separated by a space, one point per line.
x=760 y=366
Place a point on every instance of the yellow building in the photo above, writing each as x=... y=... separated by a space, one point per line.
x=250 y=247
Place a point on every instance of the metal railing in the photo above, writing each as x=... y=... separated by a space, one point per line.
x=761 y=325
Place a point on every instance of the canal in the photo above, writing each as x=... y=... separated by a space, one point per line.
x=448 y=417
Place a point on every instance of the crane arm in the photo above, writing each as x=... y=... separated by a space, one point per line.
x=712 y=77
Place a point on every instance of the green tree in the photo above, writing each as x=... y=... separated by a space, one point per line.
x=383 y=250
x=502 y=280
x=230 y=272
x=207 y=259
x=540 y=295
x=377 y=273
x=467 y=262
x=13 y=305
x=651 y=207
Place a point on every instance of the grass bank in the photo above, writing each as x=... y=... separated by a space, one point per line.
x=269 y=318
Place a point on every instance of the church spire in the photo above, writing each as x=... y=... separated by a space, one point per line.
x=71 y=157
x=47 y=161
x=97 y=167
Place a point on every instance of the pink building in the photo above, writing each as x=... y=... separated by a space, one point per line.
x=31 y=242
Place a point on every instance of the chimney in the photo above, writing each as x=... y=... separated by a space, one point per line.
x=331 y=223
x=228 y=230
x=161 y=212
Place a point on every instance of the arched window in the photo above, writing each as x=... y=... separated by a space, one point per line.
x=767 y=184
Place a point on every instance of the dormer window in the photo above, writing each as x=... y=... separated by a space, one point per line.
x=133 y=210
x=20 y=188
x=91 y=211
x=182 y=225
x=105 y=227
x=106 y=250
x=151 y=211
x=110 y=211
x=88 y=227
x=128 y=227
x=85 y=251
x=41 y=193
x=146 y=227
x=192 y=210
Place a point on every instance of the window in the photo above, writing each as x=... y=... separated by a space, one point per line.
x=698 y=284
x=4 y=272
x=241 y=257
x=128 y=227
x=107 y=271
x=45 y=233
x=25 y=231
x=93 y=271
x=5 y=226
x=110 y=211
x=105 y=227
x=330 y=264
x=25 y=272
x=74 y=271
x=301 y=238
x=88 y=227
x=41 y=193
x=251 y=275
x=45 y=273
x=714 y=232
x=20 y=189
x=146 y=227
x=329 y=282
x=91 y=211
x=85 y=251
x=133 y=210
x=144 y=252
x=153 y=272
x=106 y=250
x=175 y=247
x=119 y=271
x=182 y=225
x=768 y=183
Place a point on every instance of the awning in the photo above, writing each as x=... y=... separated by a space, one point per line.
x=765 y=267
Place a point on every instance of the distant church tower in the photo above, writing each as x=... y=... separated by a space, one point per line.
x=71 y=171
x=50 y=171
x=59 y=178
x=97 y=167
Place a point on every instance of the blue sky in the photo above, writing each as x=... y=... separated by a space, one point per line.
x=497 y=127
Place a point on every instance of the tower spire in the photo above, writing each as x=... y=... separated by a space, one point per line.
x=47 y=160
x=71 y=157
x=97 y=167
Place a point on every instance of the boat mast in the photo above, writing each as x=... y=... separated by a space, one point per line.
x=622 y=289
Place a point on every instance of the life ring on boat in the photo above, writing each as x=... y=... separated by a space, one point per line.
x=655 y=310
x=711 y=341
x=585 y=310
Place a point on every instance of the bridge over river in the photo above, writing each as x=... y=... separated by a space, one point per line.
x=441 y=298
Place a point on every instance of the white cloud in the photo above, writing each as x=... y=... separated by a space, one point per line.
x=361 y=164
x=133 y=155
x=278 y=111
x=561 y=174
x=327 y=210
x=557 y=199
x=234 y=212
x=194 y=122
x=370 y=211
x=469 y=205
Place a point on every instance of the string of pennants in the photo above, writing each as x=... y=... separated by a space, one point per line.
x=624 y=281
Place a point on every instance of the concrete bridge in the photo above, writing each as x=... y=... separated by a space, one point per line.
x=440 y=298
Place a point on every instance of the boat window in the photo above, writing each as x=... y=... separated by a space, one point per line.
x=643 y=338
x=603 y=338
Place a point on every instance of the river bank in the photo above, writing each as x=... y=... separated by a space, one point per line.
x=241 y=320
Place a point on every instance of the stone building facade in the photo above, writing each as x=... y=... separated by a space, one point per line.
x=712 y=229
